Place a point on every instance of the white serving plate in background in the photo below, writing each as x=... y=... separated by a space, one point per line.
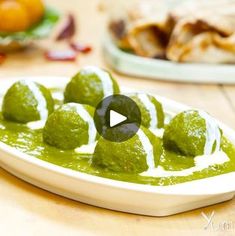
x=157 y=69
x=113 y=194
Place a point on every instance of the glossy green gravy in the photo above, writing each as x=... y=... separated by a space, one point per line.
x=30 y=142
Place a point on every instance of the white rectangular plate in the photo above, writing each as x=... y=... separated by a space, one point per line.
x=112 y=194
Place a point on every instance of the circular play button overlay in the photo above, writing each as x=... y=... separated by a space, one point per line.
x=117 y=118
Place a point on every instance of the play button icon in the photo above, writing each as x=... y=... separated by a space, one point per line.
x=117 y=118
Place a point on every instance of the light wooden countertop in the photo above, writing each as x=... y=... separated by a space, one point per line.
x=28 y=210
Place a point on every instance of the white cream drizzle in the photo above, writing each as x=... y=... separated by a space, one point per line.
x=201 y=162
x=42 y=103
x=58 y=95
x=104 y=76
x=2 y=126
x=87 y=149
x=39 y=124
x=212 y=133
x=158 y=132
x=151 y=109
x=148 y=148
x=86 y=117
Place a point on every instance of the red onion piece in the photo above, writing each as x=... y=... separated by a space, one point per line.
x=69 y=29
x=2 y=57
x=66 y=55
x=80 y=47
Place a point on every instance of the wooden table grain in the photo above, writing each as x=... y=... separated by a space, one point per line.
x=28 y=210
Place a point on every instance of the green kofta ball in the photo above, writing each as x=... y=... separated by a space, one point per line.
x=70 y=126
x=27 y=101
x=192 y=133
x=152 y=115
x=90 y=86
x=136 y=155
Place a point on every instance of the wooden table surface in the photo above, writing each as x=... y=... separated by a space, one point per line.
x=28 y=210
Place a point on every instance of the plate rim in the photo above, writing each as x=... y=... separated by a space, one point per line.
x=211 y=73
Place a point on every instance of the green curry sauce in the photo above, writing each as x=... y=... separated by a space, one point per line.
x=30 y=141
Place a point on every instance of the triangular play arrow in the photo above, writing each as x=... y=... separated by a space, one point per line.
x=116 y=118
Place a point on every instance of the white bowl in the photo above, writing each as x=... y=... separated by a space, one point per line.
x=113 y=194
